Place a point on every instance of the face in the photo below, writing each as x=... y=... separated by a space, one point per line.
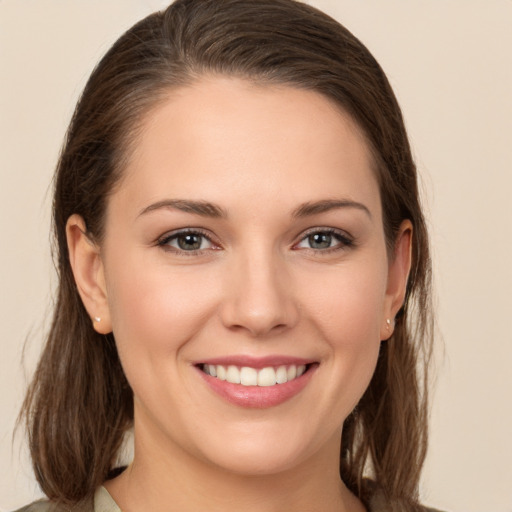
x=245 y=276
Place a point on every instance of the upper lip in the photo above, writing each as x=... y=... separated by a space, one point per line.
x=256 y=362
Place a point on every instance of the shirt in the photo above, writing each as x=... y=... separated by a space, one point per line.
x=103 y=502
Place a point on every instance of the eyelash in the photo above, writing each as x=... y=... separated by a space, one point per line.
x=164 y=241
x=344 y=241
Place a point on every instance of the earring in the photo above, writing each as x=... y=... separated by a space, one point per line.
x=388 y=324
x=97 y=319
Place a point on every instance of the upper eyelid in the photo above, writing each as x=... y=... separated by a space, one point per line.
x=169 y=235
x=344 y=238
x=325 y=229
x=164 y=242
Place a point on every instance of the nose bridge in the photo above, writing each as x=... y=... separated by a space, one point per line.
x=259 y=295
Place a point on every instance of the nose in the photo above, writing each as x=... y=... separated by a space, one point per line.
x=259 y=296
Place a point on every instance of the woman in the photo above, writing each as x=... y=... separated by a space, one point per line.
x=244 y=275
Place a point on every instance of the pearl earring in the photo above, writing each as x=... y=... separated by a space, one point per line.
x=388 y=324
x=97 y=319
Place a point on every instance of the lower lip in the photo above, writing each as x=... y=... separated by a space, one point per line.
x=258 y=397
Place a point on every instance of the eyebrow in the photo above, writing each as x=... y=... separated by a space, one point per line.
x=203 y=208
x=325 y=205
x=207 y=209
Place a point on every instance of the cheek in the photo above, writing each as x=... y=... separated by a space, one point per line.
x=348 y=303
x=346 y=312
x=155 y=313
x=157 y=310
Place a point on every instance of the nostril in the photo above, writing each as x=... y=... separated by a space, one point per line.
x=259 y=327
x=258 y=297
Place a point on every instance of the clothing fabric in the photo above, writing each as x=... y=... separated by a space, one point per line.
x=103 y=502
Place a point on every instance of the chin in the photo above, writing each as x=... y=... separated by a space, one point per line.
x=265 y=451
x=258 y=462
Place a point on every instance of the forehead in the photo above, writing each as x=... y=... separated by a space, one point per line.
x=227 y=138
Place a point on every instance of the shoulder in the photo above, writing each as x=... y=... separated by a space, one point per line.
x=43 y=506
x=101 y=502
x=49 y=506
x=377 y=502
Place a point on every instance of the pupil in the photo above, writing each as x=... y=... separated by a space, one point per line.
x=320 y=240
x=189 y=242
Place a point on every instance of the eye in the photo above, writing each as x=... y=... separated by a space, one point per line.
x=325 y=239
x=186 y=241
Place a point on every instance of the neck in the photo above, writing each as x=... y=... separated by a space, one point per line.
x=159 y=477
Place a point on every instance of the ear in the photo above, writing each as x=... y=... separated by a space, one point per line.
x=398 y=273
x=88 y=271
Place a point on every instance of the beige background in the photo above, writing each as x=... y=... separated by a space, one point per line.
x=451 y=65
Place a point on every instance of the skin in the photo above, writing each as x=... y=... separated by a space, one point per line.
x=256 y=287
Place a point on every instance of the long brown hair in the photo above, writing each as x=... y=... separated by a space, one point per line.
x=79 y=404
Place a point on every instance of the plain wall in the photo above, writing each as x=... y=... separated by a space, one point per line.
x=450 y=63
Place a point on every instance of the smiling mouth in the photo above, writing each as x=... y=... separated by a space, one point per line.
x=262 y=377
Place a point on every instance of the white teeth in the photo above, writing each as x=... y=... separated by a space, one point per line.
x=247 y=376
x=266 y=377
x=281 y=375
x=233 y=375
x=221 y=372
